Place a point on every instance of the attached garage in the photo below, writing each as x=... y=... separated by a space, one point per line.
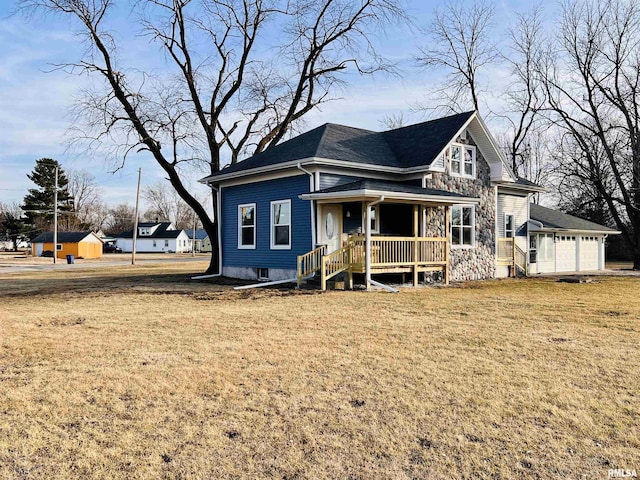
x=563 y=243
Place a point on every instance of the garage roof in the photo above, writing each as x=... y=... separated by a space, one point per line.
x=63 y=237
x=556 y=220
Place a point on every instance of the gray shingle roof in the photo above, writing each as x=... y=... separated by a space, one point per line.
x=405 y=147
x=524 y=181
x=160 y=232
x=554 y=219
x=201 y=233
x=63 y=237
x=387 y=186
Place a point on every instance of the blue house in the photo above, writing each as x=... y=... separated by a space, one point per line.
x=433 y=199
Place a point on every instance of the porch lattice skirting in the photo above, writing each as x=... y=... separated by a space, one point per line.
x=388 y=255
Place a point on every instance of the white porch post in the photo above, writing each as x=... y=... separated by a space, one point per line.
x=367 y=242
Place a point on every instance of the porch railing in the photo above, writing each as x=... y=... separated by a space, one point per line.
x=400 y=251
x=510 y=254
x=388 y=254
x=311 y=262
x=505 y=251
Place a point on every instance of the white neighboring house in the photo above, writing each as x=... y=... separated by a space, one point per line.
x=202 y=243
x=563 y=243
x=155 y=237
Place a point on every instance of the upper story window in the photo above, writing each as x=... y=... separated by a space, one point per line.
x=145 y=231
x=247 y=225
x=462 y=226
x=281 y=224
x=462 y=160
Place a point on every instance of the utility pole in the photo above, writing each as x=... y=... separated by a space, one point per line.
x=193 y=241
x=135 y=221
x=55 y=219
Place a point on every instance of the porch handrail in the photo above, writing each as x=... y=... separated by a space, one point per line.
x=310 y=262
x=334 y=263
x=520 y=259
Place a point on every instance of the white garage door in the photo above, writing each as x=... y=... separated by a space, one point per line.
x=566 y=254
x=588 y=253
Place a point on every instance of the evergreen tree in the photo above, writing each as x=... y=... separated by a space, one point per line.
x=13 y=228
x=38 y=203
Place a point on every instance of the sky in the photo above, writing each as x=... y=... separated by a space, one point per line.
x=36 y=100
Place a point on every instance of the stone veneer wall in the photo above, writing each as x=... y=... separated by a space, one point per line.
x=475 y=263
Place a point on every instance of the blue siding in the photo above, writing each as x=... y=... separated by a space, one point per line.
x=262 y=194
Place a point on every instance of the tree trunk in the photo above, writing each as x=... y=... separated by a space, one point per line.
x=211 y=227
x=636 y=260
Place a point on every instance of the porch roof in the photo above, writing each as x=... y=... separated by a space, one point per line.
x=370 y=189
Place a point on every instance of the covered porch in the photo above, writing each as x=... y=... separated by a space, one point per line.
x=375 y=227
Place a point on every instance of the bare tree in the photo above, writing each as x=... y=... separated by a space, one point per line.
x=391 y=122
x=166 y=205
x=460 y=45
x=120 y=219
x=236 y=88
x=576 y=192
x=87 y=199
x=591 y=78
x=525 y=96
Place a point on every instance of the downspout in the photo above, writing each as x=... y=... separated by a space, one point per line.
x=219 y=222
x=312 y=188
x=368 y=280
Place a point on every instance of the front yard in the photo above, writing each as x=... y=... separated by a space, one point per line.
x=136 y=372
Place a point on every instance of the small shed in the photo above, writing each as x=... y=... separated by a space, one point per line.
x=78 y=244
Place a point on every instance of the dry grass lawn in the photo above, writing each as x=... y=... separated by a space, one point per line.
x=136 y=372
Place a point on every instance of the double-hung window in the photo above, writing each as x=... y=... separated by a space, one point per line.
x=462 y=226
x=462 y=160
x=247 y=225
x=508 y=226
x=281 y=224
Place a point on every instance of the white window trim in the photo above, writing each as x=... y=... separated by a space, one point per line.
x=255 y=226
x=473 y=227
x=473 y=165
x=533 y=249
x=513 y=229
x=58 y=247
x=272 y=226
